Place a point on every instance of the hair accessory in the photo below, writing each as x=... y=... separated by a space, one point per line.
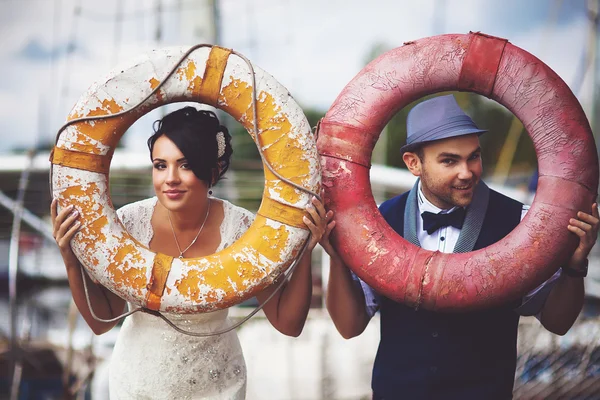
x=220 y=144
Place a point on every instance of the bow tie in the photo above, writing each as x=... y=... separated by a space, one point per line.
x=432 y=222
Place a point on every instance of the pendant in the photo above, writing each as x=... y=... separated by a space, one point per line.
x=181 y=257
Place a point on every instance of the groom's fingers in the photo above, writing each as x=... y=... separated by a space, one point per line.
x=319 y=206
x=313 y=213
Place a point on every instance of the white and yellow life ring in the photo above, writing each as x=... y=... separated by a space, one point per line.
x=81 y=161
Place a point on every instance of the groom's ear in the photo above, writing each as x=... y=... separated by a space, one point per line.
x=413 y=162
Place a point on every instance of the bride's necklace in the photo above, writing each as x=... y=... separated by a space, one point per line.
x=197 y=234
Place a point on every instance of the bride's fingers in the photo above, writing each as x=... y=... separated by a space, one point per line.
x=63 y=215
x=66 y=225
x=66 y=239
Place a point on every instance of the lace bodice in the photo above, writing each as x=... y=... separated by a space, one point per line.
x=152 y=360
x=136 y=218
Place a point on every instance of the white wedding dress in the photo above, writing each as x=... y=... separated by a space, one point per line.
x=153 y=361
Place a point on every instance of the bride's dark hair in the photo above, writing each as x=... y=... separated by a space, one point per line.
x=200 y=137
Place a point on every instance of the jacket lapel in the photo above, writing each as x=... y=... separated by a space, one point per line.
x=411 y=213
x=473 y=220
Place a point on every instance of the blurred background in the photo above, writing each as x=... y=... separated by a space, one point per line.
x=51 y=51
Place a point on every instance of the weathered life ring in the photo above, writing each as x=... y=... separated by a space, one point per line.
x=81 y=161
x=568 y=168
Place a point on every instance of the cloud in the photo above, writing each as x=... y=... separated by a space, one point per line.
x=315 y=48
x=35 y=51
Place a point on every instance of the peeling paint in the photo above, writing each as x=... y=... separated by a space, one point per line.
x=280 y=143
x=127 y=268
x=209 y=283
x=557 y=126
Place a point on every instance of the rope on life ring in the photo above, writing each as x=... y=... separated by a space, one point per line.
x=531 y=253
x=207 y=74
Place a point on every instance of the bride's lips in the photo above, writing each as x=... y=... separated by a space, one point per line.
x=174 y=194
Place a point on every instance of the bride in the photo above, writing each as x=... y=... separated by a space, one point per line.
x=190 y=152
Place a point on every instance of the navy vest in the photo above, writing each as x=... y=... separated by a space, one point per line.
x=431 y=355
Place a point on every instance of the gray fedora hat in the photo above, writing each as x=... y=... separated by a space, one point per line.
x=435 y=119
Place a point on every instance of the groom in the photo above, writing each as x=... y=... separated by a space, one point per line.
x=430 y=355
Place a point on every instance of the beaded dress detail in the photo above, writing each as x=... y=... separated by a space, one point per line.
x=153 y=361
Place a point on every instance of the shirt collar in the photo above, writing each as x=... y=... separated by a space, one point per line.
x=426 y=205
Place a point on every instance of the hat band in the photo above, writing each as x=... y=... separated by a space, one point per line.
x=452 y=123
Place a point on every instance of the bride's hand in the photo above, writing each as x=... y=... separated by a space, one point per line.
x=64 y=227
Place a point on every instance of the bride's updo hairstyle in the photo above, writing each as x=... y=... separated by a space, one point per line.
x=205 y=143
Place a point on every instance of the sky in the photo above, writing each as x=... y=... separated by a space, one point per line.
x=51 y=51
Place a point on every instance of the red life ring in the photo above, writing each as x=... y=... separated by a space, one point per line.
x=532 y=252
